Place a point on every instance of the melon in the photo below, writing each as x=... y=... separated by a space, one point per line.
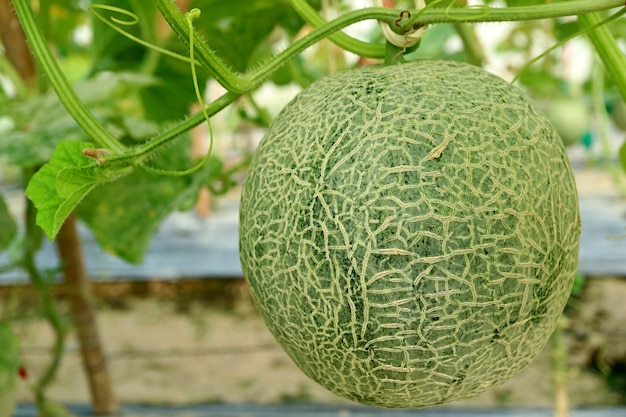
x=410 y=233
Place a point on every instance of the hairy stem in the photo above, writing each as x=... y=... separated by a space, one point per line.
x=518 y=13
x=205 y=55
x=361 y=48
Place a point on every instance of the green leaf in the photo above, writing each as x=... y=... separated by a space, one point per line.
x=35 y=147
x=42 y=121
x=170 y=99
x=9 y=358
x=58 y=187
x=124 y=215
x=8 y=228
x=622 y=155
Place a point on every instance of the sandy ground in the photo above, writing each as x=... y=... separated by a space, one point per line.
x=162 y=355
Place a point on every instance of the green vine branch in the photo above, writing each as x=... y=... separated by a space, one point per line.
x=347 y=42
x=484 y=14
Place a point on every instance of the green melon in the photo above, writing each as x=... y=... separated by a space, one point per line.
x=410 y=233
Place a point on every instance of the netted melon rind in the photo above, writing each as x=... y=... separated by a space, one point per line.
x=410 y=233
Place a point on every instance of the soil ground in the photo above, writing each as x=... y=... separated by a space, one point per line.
x=202 y=341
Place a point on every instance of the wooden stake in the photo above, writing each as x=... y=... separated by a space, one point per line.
x=84 y=318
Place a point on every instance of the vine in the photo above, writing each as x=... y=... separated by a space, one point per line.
x=191 y=15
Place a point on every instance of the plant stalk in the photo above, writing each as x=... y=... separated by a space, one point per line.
x=75 y=276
